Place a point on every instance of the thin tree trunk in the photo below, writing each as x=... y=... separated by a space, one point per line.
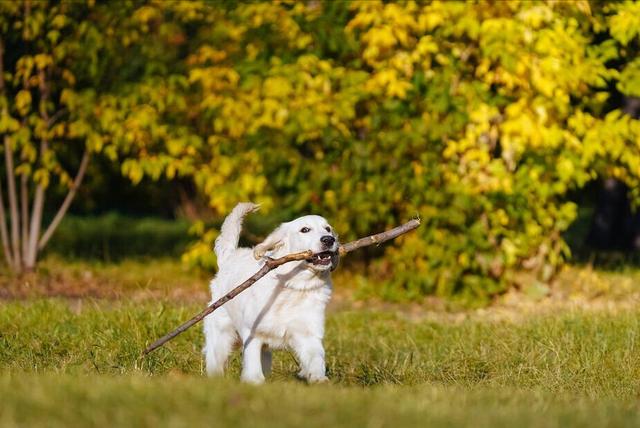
x=67 y=201
x=4 y=232
x=13 y=204
x=24 y=208
x=34 y=230
x=38 y=200
x=4 y=235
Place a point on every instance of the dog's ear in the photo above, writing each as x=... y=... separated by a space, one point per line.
x=272 y=242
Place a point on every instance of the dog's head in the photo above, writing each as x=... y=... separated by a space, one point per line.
x=310 y=232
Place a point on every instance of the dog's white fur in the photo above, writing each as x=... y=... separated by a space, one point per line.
x=285 y=308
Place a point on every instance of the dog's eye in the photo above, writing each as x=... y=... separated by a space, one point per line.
x=305 y=230
x=328 y=229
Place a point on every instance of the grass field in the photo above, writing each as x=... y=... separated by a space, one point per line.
x=75 y=362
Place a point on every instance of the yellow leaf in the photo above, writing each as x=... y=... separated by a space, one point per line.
x=23 y=102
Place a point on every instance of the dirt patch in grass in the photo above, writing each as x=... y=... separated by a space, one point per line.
x=154 y=279
x=576 y=287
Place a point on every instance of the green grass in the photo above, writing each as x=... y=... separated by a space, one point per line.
x=54 y=400
x=65 y=363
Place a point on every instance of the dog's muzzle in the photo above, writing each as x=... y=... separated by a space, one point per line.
x=323 y=259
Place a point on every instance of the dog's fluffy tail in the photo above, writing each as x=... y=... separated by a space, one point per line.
x=227 y=242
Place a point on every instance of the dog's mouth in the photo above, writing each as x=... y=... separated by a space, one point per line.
x=323 y=259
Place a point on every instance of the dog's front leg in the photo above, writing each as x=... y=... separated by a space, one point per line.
x=252 y=361
x=310 y=354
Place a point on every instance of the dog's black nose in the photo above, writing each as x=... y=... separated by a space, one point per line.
x=328 y=240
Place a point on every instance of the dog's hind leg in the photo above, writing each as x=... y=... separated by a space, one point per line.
x=219 y=337
x=265 y=360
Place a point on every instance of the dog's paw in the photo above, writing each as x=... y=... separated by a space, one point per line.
x=313 y=378
x=259 y=253
x=317 y=379
x=256 y=379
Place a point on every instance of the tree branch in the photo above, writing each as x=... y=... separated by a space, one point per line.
x=67 y=201
x=57 y=115
x=271 y=264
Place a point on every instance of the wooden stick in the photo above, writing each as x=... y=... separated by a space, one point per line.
x=379 y=238
x=274 y=263
x=268 y=266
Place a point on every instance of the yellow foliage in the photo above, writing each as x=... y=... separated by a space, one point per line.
x=479 y=116
x=23 y=102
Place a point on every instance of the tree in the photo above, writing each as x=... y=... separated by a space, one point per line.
x=49 y=69
x=479 y=117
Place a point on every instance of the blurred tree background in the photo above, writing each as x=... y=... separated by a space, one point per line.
x=497 y=122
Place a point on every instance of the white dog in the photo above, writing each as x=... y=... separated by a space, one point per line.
x=285 y=308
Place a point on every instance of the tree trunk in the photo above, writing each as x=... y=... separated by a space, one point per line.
x=24 y=212
x=38 y=200
x=4 y=235
x=610 y=216
x=13 y=205
x=34 y=229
